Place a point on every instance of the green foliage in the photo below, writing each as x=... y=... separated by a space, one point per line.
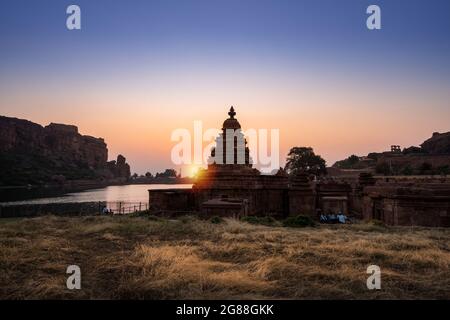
x=348 y=163
x=383 y=168
x=375 y=222
x=187 y=219
x=413 y=150
x=426 y=168
x=152 y=217
x=145 y=214
x=299 y=221
x=443 y=170
x=266 y=221
x=168 y=173
x=373 y=156
x=216 y=220
x=305 y=160
x=407 y=171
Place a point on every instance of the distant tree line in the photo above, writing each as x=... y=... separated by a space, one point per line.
x=166 y=174
x=425 y=168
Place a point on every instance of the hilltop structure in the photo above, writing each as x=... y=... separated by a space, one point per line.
x=230 y=186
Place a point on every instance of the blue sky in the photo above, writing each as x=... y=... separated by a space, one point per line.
x=232 y=27
x=156 y=58
x=33 y=32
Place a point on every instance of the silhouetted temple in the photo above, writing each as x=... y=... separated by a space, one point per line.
x=230 y=186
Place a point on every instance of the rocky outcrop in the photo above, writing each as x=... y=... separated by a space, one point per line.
x=33 y=154
x=119 y=168
x=439 y=143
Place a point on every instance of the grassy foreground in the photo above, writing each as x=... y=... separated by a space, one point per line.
x=148 y=258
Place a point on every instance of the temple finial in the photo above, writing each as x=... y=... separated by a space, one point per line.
x=231 y=113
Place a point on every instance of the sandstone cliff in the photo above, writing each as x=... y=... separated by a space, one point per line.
x=32 y=154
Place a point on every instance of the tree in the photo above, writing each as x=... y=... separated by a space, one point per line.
x=413 y=149
x=443 y=170
x=426 y=168
x=148 y=175
x=168 y=173
x=348 y=163
x=304 y=159
x=383 y=168
x=407 y=171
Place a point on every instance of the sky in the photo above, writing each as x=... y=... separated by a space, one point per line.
x=138 y=70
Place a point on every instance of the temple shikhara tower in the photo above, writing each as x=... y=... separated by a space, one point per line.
x=231 y=145
x=230 y=178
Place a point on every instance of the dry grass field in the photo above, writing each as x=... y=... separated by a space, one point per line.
x=150 y=258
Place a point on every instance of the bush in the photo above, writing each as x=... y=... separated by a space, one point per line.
x=153 y=218
x=376 y=222
x=383 y=168
x=187 y=219
x=143 y=213
x=426 y=168
x=216 y=220
x=444 y=170
x=299 y=222
x=266 y=221
x=407 y=171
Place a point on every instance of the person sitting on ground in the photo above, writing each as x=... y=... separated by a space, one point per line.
x=333 y=218
x=341 y=217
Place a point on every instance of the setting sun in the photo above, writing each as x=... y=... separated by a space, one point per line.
x=192 y=171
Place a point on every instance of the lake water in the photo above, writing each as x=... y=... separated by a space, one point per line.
x=133 y=193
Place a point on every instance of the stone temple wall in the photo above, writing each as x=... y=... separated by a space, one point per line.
x=261 y=201
x=422 y=205
x=266 y=196
x=393 y=203
x=172 y=200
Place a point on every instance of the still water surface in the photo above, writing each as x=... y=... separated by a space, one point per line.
x=129 y=193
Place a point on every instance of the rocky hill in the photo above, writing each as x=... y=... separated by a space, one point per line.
x=33 y=154
x=439 y=143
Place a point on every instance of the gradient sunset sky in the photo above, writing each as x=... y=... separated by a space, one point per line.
x=140 y=69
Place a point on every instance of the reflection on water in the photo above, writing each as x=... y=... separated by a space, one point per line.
x=129 y=193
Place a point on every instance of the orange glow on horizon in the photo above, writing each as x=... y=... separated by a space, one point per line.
x=137 y=122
